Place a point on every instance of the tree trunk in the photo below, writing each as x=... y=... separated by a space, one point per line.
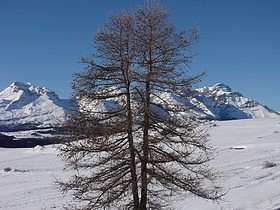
x=145 y=148
x=134 y=185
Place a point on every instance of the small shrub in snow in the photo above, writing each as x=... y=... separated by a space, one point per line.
x=269 y=164
x=214 y=125
x=7 y=169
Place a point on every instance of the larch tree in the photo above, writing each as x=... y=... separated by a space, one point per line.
x=133 y=140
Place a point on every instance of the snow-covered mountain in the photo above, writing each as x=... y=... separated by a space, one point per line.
x=25 y=106
x=220 y=103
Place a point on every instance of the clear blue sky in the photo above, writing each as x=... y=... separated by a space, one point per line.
x=41 y=41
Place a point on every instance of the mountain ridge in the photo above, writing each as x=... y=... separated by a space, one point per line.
x=223 y=104
x=27 y=106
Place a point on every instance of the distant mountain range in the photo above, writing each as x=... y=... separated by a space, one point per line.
x=220 y=103
x=25 y=106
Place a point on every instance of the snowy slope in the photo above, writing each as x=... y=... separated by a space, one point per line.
x=29 y=184
x=28 y=106
x=250 y=184
x=220 y=103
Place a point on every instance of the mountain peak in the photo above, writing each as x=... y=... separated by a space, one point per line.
x=220 y=87
x=28 y=87
x=24 y=103
x=16 y=84
x=219 y=102
x=217 y=89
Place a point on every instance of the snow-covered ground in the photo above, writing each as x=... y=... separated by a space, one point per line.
x=245 y=147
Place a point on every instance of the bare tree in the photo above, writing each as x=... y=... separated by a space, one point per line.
x=133 y=140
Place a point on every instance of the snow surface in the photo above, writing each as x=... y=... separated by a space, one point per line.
x=244 y=146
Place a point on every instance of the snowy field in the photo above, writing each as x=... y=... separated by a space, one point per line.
x=248 y=157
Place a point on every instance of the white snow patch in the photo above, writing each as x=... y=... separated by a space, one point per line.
x=30 y=182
